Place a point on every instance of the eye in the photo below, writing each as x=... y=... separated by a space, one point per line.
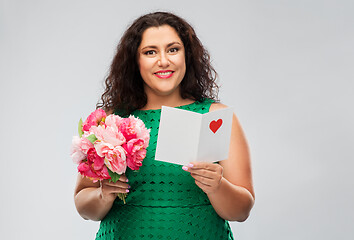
x=173 y=50
x=150 y=52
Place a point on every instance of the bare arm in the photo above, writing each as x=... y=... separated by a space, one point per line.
x=228 y=184
x=94 y=200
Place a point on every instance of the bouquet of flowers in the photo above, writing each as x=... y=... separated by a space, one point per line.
x=107 y=145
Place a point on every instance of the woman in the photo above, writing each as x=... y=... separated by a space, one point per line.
x=160 y=61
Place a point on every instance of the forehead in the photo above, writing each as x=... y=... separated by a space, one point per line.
x=161 y=35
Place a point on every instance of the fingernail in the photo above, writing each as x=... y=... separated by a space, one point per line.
x=190 y=165
x=127 y=180
x=128 y=186
x=127 y=190
x=185 y=168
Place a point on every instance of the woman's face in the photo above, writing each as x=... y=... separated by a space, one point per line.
x=161 y=60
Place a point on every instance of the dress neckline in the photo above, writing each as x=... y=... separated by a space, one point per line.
x=159 y=109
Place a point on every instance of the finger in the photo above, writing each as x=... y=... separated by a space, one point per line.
x=203 y=173
x=203 y=165
x=204 y=187
x=203 y=180
x=123 y=178
x=111 y=189
x=115 y=184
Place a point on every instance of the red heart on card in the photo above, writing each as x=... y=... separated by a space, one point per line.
x=215 y=125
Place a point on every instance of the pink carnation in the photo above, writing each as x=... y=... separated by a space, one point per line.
x=94 y=119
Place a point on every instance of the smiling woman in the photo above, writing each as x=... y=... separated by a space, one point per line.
x=125 y=88
x=160 y=61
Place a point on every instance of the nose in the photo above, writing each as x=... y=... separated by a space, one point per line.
x=163 y=61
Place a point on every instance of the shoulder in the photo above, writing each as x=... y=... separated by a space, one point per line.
x=235 y=122
x=216 y=106
x=109 y=112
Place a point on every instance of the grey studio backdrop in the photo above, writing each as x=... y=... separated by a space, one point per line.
x=286 y=67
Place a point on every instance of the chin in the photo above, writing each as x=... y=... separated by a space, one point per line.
x=165 y=93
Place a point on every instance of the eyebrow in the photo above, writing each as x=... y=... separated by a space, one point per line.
x=155 y=47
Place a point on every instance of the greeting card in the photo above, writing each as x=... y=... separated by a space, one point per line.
x=186 y=136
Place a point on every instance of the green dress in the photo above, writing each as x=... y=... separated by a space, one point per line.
x=164 y=202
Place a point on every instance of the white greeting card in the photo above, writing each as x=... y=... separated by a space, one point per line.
x=186 y=136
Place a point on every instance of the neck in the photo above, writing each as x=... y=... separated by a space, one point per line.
x=157 y=101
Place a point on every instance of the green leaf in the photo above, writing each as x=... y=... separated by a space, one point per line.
x=92 y=138
x=80 y=128
x=114 y=176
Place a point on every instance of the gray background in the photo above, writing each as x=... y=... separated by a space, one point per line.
x=285 y=66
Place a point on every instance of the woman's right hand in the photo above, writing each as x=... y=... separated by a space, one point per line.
x=93 y=200
x=109 y=190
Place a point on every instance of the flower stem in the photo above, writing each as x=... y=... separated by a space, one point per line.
x=122 y=196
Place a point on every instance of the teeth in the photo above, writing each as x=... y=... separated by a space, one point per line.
x=163 y=73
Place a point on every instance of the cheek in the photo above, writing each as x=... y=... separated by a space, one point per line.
x=144 y=66
x=183 y=66
x=141 y=64
x=181 y=62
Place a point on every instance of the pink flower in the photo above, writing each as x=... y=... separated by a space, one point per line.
x=94 y=167
x=109 y=132
x=121 y=143
x=85 y=144
x=113 y=120
x=85 y=170
x=135 y=153
x=79 y=148
x=133 y=128
x=94 y=119
x=95 y=159
x=115 y=156
x=77 y=153
x=127 y=127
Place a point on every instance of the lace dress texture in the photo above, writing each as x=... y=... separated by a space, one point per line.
x=164 y=202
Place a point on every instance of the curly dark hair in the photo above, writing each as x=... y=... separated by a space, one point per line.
x=124 y=87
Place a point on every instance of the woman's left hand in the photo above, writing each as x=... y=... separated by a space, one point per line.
x=207 y=176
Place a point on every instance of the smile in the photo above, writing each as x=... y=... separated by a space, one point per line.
x=164 y=74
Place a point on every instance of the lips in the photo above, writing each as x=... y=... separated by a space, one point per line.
x=164 y=74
